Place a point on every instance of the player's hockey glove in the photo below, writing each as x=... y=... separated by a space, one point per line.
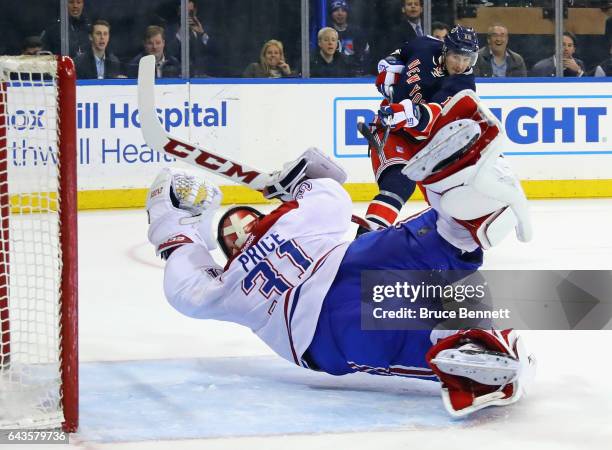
x=180 y=206
x=311 y=164
x=389 y=72
x=399 y=115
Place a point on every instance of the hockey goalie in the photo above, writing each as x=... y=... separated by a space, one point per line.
x=293 y=278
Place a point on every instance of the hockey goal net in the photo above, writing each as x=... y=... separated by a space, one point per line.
x=38 y=245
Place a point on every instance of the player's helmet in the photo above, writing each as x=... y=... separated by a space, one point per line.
x=234 y=228
x=462 y=40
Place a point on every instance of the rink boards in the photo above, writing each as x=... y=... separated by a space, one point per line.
x=557 y=132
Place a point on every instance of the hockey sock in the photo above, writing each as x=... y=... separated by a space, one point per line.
x=394 y=191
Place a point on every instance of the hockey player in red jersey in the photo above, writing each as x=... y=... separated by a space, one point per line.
x=417 y=80
x=294 y=279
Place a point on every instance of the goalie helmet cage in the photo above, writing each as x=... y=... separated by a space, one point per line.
x=38 y=243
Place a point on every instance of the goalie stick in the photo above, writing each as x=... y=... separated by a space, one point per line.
x=156 y=137
x=162 y=142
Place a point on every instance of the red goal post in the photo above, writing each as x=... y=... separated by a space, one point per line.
x=38 y=243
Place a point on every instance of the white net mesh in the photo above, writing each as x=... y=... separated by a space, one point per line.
x=30 y=260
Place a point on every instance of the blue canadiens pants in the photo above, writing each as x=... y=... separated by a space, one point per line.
x=340 y=345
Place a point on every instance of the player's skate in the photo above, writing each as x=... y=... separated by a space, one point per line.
x=311 y=164
x=467 y=181
x=180 y=206
x=480 y=368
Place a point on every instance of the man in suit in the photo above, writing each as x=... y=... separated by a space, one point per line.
x=406 y=29
x=98 y=62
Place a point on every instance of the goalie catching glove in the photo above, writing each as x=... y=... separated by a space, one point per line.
x=180 y=206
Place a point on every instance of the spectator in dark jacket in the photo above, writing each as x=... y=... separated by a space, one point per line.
x=201 y=46
x=604 y=68
x=328 y=62
x=78 y=29
x=496 y=59
x=98 y=62
x=154 y=43
x=353 y=43
x=572 y=67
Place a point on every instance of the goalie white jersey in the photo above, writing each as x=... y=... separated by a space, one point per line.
x=277 y=284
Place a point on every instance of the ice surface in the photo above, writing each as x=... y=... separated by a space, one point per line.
x=151 y=378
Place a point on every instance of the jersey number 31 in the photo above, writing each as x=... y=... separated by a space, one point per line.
x=269 y=279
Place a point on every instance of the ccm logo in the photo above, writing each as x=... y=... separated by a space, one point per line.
x=209 y=161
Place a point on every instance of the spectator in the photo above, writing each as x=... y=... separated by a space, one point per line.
x=572 y=67
x=439 y=30
x=97 y=61
x=154 y=43
x=78 y=31
x=410 y=25
x=271 y=63
x=391 y=36
x=200 y=44
x=352 y=40
x=496 y=59
x=32 y=45
x=328 y=62
x=604 y=68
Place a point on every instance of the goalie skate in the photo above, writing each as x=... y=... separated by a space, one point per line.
x=476 y=363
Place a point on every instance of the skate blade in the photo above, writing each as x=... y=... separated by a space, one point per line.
x=490 y=368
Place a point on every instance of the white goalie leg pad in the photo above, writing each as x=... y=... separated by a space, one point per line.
x=485 y=198
x=180 y=206
x=311 y=164
x=451 y=140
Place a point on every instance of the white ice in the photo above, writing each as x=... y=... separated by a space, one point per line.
x=151 y=378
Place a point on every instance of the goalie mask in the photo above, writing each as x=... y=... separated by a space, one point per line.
x=234 y=228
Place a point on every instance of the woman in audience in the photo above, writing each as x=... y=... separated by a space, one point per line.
x=271 y=63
